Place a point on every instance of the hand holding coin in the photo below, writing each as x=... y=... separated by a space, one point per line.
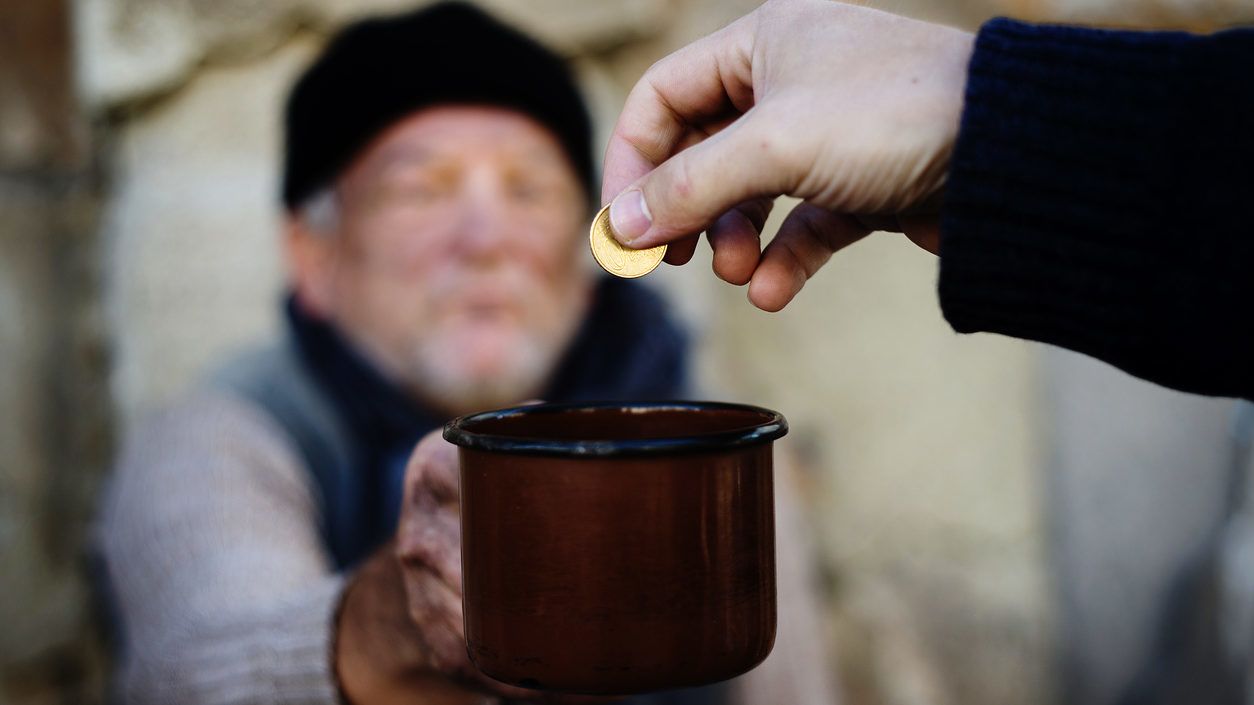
x=851 y=110
x=616 y=259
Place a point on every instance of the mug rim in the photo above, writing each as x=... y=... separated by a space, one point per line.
x=460 y=431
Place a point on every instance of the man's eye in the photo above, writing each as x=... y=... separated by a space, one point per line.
x=529 y=192
x=421 y=192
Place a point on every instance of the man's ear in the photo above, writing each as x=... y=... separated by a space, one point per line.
x=310 y=258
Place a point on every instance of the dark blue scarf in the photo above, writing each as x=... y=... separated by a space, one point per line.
x=628 y=349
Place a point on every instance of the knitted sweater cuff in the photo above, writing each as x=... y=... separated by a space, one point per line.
x=301 y=650
x=1064 y=219
x=282 y=656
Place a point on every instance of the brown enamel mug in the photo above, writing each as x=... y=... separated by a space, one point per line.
x=618 y=548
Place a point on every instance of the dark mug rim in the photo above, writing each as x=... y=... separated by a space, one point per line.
x=772 y=426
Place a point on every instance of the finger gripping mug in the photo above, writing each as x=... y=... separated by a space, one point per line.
x=618 y=548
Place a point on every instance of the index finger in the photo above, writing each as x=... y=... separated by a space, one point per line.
x=702 y=82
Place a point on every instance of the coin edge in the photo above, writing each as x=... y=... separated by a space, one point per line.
x=592 y=248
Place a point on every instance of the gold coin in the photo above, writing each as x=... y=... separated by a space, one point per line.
x=616 y=259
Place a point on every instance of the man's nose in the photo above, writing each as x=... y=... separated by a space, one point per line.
x=484 y=221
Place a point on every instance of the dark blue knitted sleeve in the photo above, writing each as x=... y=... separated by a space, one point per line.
x=1101 y=198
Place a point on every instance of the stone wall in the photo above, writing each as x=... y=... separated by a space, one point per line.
x=55 y=438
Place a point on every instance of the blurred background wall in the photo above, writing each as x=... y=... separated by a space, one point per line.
x=996 y=522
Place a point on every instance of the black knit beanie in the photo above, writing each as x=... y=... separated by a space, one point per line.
x=380 y=70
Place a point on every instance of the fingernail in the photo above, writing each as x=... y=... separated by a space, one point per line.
x=629 y=216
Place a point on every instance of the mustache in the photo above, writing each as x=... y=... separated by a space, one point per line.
x=508 y=287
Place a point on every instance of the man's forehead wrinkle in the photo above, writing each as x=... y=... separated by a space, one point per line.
x=515 y=159
x=501 y=141
x=409 y=153
x=405 y=154
x=542 y=154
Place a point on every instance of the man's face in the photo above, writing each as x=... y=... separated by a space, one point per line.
x=454 y=262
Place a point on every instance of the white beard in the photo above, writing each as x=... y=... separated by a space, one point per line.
x=443 y=365
x=438 y=375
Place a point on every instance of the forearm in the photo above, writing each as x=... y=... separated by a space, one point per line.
x=1095 y=200
x=378 y=654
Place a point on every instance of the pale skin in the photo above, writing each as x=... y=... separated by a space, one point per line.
x=852 y=110
x=458 y=228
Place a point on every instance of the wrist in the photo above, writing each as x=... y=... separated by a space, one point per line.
x=355 y=673
x=374 y=642
x=378 y=657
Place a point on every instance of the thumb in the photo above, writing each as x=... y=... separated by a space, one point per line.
x=695 y=186
x=432 y=470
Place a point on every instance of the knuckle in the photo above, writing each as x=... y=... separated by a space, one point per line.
x=450 y=658
x=416 y=607
x=418 y=546
x=654 y=76
x=651 y=74
x=757 y=211
x=772 y=149
x=780 y=148
x=412 y=553
x=415 y=470
x=681 y=181
x=430 y=447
